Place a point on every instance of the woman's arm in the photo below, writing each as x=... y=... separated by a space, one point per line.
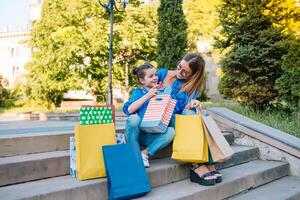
x=194 y=103
x=161 y=74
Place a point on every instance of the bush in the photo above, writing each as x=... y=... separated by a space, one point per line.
x=4 y=93
x=288 y=85
x=254 y=49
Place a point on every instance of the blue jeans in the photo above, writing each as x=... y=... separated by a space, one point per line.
x=153 y=141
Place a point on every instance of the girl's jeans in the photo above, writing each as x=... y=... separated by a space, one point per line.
x=153 y=141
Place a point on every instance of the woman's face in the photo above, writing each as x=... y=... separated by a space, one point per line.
x=183 y=70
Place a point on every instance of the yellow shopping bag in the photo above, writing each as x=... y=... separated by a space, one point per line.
x=190 y=143
x=89 y=140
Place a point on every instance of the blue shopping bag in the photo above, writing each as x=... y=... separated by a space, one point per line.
x=125 y=171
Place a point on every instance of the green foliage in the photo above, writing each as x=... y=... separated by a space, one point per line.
x=137 y=40
x=70 y=47
x=202 y=18
x=283 y=120
x=288 y=85
x=172 y=33
x=4 y=93
x=254 y=49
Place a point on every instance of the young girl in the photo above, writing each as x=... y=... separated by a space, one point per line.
x=135 y=108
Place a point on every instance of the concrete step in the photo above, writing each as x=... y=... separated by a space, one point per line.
x=164 y=174
x=12 y=145
x=15 y=144
x=18 y=169
x=235 y=180
x=286 y=188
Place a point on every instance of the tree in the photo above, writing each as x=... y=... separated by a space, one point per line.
x=70 y=47
x=202 y=18
x=59 y=41
x=137 y=41
x=4 y=93
x=288 y=85
x=254 y=40
x=172 y=33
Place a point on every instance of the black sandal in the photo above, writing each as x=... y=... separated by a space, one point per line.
x=194 y=177
x=219 y=177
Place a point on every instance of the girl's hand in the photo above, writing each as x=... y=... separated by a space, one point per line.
x=152 y=92
x=193 y=104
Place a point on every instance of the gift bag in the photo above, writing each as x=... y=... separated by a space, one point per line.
x=190 y=143
x=89 y=158
x=99 y=114
x=72 y=157
x=219 y=148
x=121 y=138
x=158 y=114
x=126 y=174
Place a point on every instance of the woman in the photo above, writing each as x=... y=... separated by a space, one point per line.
x=184 y=85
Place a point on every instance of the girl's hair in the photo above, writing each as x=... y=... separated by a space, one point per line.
x=140 y=71
x=197 y=65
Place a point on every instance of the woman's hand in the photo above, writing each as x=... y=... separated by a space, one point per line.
x=194 y=104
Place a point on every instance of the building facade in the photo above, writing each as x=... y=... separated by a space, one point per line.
x=14 y=53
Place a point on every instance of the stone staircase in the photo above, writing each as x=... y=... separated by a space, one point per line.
x=37 y=167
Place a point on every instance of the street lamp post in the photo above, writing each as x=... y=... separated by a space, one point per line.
x=109 y=7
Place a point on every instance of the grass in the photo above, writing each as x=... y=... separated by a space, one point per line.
x=279 y=119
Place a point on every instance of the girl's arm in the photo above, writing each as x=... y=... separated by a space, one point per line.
x=137 y=99
x=138 y=103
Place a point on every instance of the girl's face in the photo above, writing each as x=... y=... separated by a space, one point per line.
x=150 y=79
x=183 y=70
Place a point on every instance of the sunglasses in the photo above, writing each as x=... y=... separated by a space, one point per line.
x=183 y=71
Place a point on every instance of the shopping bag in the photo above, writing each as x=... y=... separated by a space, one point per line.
x=219 y=148
x=98 y=114
x=72 y=157
x=158 y=114
x=190 y=143
x=89 y=158
x=121 y=138
x=126 y=174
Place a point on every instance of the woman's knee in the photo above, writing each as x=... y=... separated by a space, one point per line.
x=133 y=121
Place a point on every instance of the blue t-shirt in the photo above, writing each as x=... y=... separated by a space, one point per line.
x=182 y=98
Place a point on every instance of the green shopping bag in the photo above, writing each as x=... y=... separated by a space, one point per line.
x=100 y=114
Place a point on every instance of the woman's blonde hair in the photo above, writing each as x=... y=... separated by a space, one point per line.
x=195 y=82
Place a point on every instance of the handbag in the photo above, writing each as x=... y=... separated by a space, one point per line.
x=89 y=158
x=158 y=114
x=190 y=143
x=126 y=174
x=219 y=148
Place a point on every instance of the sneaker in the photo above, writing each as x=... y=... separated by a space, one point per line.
x=145 y=160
